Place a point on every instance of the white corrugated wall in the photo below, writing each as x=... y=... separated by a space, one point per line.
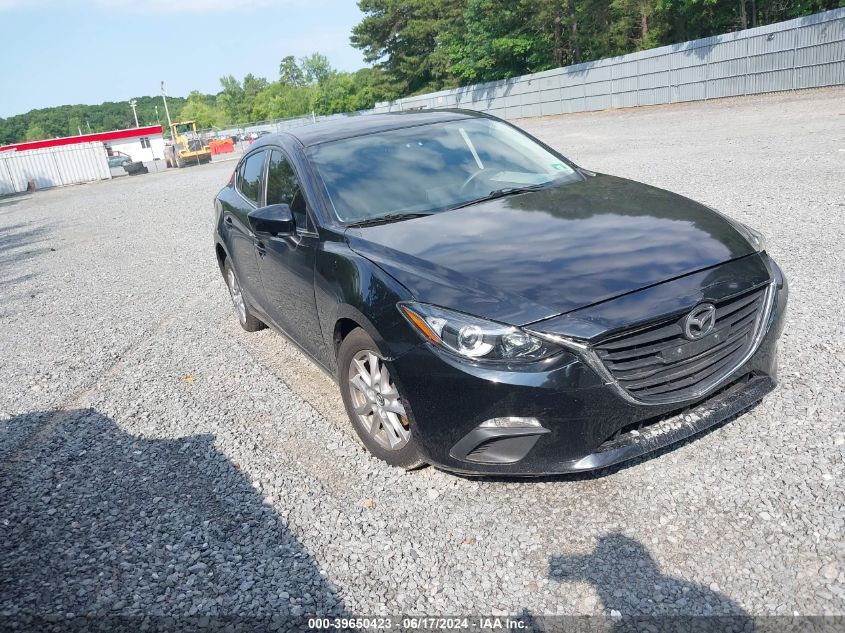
x=53 y=166
x=806 y=52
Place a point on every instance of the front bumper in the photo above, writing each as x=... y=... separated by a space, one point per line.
x=586 y=423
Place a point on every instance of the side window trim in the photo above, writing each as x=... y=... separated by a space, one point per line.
x=263 y=189
x=310 y=229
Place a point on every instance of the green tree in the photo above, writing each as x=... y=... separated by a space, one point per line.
x=636 y=25
x=200 y=108
x=316 y=68
x=280 y=100
x=290 y=74
x=231 y=98
x=401 y=37
x=35 y=132
x=497 y=39
x=253 y=86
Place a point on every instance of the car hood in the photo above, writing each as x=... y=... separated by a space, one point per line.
x=534 y=255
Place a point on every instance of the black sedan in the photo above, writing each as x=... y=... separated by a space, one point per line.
x=486 y=305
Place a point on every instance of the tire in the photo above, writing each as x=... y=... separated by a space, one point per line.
x=378 y=415
x=245 y=316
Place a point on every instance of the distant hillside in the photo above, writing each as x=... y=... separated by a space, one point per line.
x=68 y=120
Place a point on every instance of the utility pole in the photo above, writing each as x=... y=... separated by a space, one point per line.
x=166 y=111
x=132 y=104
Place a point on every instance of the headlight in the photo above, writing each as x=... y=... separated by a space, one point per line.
x=471 y=337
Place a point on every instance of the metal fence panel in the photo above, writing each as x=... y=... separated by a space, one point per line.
x=689 y=75
x=625 y=84
x=53 y=167
x=653 y=80
x=624 y=99
x=821 y=54
x=779 y=60
x=824 y=75
x=690 y=92
x=805 y=52
x=768 y=81
x=772 y=42
x=654 y=64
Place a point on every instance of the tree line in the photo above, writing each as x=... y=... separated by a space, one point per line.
x=425 y=45
x=416 y=46
x=303 y=86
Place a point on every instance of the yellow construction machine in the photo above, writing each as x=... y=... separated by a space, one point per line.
x=186 y=147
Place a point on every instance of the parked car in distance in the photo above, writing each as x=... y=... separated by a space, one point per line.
x=254 y=136
x=486 y=305
x=118 y=159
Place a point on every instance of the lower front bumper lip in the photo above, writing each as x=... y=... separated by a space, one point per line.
x=732 y=401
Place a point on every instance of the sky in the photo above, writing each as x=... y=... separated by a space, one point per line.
x=60 y=52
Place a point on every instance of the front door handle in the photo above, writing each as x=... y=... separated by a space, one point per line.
x=259 y=246
x=228 y=219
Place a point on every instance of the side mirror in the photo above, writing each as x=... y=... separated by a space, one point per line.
x=276 y=220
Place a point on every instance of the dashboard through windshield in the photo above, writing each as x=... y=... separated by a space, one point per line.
x=429 y=168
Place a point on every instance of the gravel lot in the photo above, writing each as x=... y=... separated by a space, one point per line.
x=155 y=459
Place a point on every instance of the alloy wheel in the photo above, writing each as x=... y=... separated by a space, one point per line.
x=376 y=401
x=237 y=296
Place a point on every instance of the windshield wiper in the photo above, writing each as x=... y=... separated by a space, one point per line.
x=501 y=193
x=385 y=219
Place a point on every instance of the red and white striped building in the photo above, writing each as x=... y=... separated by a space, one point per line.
x=74 y=159
x=141 y=143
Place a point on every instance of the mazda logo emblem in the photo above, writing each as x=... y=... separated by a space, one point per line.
x=700 y=321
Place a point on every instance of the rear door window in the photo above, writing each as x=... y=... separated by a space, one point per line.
x=250 y=177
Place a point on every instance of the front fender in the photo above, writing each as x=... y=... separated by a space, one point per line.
x=349 y=286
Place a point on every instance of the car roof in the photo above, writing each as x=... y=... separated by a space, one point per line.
x=364 y=124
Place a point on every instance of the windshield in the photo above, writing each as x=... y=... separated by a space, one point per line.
x=430 y=168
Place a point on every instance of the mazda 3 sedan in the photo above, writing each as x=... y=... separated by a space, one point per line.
x=486 y=305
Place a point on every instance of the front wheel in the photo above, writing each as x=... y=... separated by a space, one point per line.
x=373 y=402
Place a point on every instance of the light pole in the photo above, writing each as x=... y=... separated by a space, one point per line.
x=166 y=111
x=132 y=104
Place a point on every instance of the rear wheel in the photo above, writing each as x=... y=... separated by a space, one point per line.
x=245 y=316
x=373 y=402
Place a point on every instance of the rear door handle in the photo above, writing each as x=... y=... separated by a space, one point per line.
x=228 y=219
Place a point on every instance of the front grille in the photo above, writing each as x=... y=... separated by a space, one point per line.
x=656 y=363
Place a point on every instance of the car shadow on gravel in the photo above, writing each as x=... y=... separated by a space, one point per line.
x=639 y=596
x=11 y=200
x=18 y=243
x=101 y=524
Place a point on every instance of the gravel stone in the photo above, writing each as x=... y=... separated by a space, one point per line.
x=157 y=460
